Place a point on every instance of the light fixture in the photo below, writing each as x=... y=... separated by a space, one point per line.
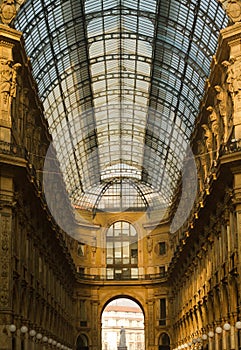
x=238 y=325
x=226 y=327
x=45 y=339
x=32 y=333
x=218 y=330
x=12 y=328
x=204 y=337
x=210 y=334
x=50 y=341
x=58 y=345
x=39 y=336
x=23 y=329
x=54 y=342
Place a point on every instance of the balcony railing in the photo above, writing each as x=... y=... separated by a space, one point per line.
x=233 y=146
x=13 y=150
x=145 y=277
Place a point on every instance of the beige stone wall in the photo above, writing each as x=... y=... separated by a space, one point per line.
x=36 y=270
x=205 y=269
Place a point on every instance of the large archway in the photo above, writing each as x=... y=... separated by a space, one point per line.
x=122 y=325
x=164 y=342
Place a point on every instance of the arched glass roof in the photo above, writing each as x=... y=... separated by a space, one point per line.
x=121 y=82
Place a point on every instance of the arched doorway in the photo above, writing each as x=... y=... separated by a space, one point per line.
x=123 y=325
x=164 y=342
x=82 y=342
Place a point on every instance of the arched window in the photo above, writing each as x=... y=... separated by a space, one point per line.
x=164 y=342
x=121 y=251
x=82 y=343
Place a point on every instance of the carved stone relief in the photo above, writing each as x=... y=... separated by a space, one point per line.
x=7 y=11
x=8 y=76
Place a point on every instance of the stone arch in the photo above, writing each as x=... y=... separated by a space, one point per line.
x=120 y=296
x=124 y=319
x=82 y=342
x=164 y=341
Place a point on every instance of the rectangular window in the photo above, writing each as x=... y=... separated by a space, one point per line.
x=80 y=249
x=162 y=270
x=81 y=270
x=162 y=248
x=162 y=321
x=110 y=274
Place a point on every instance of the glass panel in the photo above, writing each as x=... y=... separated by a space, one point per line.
x=114 y=63
x=117 y=249
x=126 y=253
x=134 y=273
x=109 y=273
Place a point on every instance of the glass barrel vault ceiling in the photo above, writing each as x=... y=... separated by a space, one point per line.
x=121 y=82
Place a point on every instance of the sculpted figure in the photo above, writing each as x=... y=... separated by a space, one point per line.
x=208 y=137
x=230 y=79
x=149 y=244
x=215 y=127
x=233 y=80
x=6 y=72
x=8 y=77
x=224 y=108
x=122 y=337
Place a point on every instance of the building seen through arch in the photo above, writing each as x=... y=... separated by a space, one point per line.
x=120 y=174
x=122 y=314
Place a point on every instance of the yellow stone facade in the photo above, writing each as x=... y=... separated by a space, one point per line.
x=58 y=287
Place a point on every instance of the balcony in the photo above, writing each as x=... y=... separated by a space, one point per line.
x=146 y=277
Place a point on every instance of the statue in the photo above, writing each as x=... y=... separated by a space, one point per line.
x=122 y=342
x=8 y=77
x=215 y=128
x=230 y=80
x=224 y=108
x=208 y=136
x=149 y=244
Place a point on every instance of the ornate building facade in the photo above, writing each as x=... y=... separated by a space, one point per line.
x=63 y=261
